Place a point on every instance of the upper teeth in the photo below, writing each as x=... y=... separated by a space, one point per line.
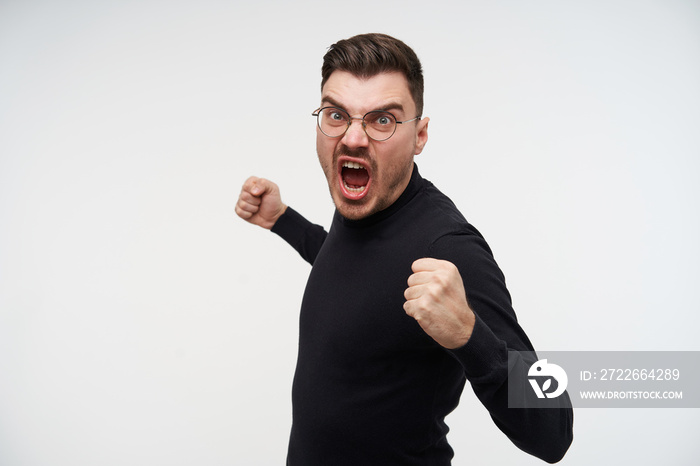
x=354 y=165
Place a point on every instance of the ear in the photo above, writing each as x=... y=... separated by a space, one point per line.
x=421 y=134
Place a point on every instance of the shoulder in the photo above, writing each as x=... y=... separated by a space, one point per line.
x=444 y=218
x=452 y=237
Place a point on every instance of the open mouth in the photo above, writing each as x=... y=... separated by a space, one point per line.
x=354 y=180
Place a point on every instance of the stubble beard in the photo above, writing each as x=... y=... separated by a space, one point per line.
x=355 y=210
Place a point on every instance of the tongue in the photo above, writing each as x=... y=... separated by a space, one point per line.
x=355 y=177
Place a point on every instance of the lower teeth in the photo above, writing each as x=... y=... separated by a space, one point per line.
x=354 y=190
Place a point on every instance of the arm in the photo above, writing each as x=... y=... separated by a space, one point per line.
x=462 y=302
x=304 y=236
x=260 y=203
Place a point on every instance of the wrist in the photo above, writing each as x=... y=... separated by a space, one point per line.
x=280 y=212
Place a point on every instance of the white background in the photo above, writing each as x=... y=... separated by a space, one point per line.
x=143 y=323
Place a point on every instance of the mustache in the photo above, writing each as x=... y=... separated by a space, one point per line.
x=360 y=152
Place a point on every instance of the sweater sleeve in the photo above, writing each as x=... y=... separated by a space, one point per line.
x=543 y=432
x=305 y=237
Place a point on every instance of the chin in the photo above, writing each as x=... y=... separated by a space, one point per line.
x=357 y=210
x=352 y=210
x=353 y=215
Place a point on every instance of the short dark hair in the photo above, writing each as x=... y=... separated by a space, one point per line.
x=367 y=55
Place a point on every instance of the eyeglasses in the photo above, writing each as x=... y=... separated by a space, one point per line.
x=379 y=125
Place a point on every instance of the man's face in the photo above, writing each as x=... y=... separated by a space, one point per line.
x=384 y=166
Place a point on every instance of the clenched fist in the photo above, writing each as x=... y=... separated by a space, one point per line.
x=260 y=203
x=435 y=297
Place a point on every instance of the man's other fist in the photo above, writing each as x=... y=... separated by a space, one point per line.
x=260 y=203
x=435 y=297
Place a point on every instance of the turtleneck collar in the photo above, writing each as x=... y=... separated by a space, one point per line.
x=414 y=185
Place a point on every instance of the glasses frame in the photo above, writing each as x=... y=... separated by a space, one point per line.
x=317 y=114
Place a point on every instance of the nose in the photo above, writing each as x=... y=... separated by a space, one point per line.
x=356 y=136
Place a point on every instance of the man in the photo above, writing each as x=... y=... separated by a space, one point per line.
x=404 y=302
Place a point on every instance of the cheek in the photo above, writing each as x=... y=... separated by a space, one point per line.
x=320 y=147
x=324 y=144
x=395 y=156
x=324 y=150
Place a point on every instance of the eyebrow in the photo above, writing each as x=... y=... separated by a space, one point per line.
x=388 y=106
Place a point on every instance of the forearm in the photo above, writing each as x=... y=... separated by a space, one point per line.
x=543 y=432
x=305 y=237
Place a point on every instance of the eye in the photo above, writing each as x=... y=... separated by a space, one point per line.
x=380 y=120
x=335 y=116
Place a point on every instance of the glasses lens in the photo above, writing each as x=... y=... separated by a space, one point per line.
x=380 y=125
x=333 y=121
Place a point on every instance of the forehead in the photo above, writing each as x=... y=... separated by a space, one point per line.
x=360 y=95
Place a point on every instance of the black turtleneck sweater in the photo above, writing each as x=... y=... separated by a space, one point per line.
x=371 y=387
